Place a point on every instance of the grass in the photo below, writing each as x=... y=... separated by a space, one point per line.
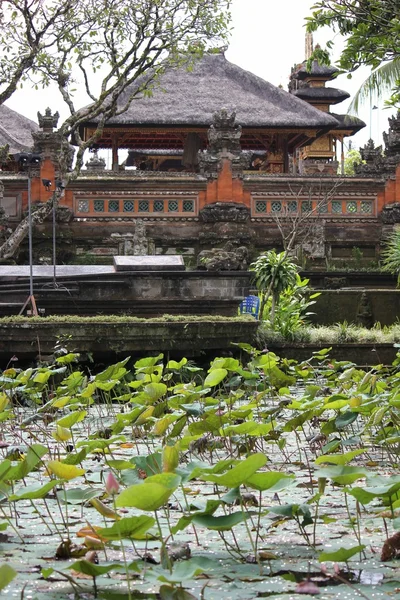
x=340 y=333
x=122 y=319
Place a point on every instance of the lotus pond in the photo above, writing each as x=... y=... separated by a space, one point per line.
x=253 y=478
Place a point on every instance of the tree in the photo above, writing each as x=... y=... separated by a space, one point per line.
x=302 y=211
x=372 y=38
x=112 y=48
x=351 y=160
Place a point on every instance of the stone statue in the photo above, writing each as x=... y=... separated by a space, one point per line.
x=140 y=241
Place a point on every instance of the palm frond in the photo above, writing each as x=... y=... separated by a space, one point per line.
x=380 y=82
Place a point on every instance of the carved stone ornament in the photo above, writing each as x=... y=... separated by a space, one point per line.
x=48 y=121
x=225 y=212
x=380 y=164
x=373 y=158
x=53 y=145
x=224 y=142
x=96 y=163
x=392 y=144
x=391 y=213
x=227 y=258
x=334 y=283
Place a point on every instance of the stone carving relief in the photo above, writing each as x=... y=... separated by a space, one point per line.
x=314 y=246
x=391 y=213
x=225 y=212
x=227 y=258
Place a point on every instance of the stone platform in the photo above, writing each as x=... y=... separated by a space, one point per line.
x=149 y=263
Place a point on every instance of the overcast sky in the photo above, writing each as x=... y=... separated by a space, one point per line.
x=268 y=38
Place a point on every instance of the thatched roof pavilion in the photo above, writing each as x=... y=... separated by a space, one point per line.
x=185 y=101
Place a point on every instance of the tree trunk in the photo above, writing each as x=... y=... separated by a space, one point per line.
x=10 y=247
x=273 y=306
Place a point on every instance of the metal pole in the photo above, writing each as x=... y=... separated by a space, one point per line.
x=342 y=155
x=30 y=236
x=54 y=243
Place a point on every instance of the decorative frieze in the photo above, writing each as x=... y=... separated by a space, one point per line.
x=225 y=211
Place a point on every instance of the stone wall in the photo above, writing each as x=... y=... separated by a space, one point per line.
x=364 y=307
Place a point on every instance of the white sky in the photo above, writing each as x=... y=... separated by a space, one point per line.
x=268 y=38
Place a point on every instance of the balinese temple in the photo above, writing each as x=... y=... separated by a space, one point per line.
x=215 y=155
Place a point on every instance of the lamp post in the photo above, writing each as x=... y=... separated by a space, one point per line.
x=26 y=161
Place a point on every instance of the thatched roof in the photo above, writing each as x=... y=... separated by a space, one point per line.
x=323 y=94
x=190 y=98
x=348 y=122
x=316 y=71
x=16 y=130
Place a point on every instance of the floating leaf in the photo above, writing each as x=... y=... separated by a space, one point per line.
x=78 y=495
x=88 y=568
x=342 y=474
x=152 y=494
x=240 y=473
x=188 y=569
x=339 y=459
x=33 y=492
x=134 y=528
x=73 y=418
x=341 y=555
x=64 y=471
x=270 y=480
x=7 y=574
x=223 y=523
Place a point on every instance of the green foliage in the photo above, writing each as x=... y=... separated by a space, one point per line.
x=372 y=34
x=351 y=160
x=272 y=274
x=291 y=312
x=391 y=255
